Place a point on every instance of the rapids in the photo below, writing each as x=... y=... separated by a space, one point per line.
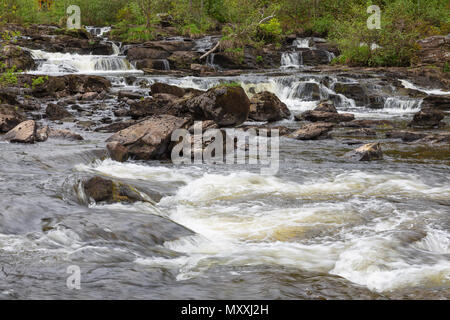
x=323 y=227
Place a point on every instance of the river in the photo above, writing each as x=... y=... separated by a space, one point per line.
x=324 y=227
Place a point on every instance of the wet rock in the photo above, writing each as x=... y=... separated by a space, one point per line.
x=117 y=151
x=282 y=130
x=326 y=106
x=115 y=127
x=369 y=152
x=439 y=138
x=89 y=96
x=441 y=102
x=25 y=132
x=313 y=131
x=46 y=133
x=8 y=96
x=201 y=68
x=129 y=95
x=182 y=59
x=363 y=132
x=266 y=106
x=168 y=89
x=315 y=57
x=206 y=125
x=353 y=91
x=64 y=134
x=368 y=124
x=149 y=139
x=56 y=112
x=104 y=190
x=226 y=105
x=9 y=117
x=427 y=118
x=406 y=136
x=63 y=86
x=320 y=116
x=14 y=56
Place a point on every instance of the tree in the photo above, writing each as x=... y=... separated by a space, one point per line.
x=146 y=7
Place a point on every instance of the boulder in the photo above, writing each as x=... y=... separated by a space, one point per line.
x=226 y=105
x=183 y=59
x=25 y=132
x=9 y=118
x=104 y=190
x=313 y=131
x=315 y=57
x=56 y=112
x=427 y=118
x=147 y=140
x=325 y=112
x=353 y=91
x=326 y=106
x=369 y=152
x=166 y=88
x=266 y=106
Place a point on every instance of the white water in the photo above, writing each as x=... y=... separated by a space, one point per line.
x=291 y=60
x=65 y=63
x=302 y=43
x=409 y=85
x=238 y=223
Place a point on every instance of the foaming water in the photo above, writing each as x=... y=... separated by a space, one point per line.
x=409 y=85
x=345 y=224
x=68 y=63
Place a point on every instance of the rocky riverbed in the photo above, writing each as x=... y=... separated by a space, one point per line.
x=358 y=208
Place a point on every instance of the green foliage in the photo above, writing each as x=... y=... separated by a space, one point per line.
x=9 y=76
x=270 y=31
x=38 y=81
x=446 y=67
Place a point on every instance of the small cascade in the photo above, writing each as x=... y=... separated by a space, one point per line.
x=205 y=44
x=63 y=63
x=98 y=31
x=210 y=61
x=166 y=64
x=395 y=104
x=302 y=43
x=291 y=60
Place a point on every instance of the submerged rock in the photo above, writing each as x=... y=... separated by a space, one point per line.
x=103 y=190
x=266 y=106
x=25 y=132
x=369 y=152
x=147 y=140
x=313 y=131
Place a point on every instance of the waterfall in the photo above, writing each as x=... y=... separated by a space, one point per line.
x=395 y=104
x=166 y=64
x=290 y=60
x=98 y=31
x=63 y=63
x=302 y=43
